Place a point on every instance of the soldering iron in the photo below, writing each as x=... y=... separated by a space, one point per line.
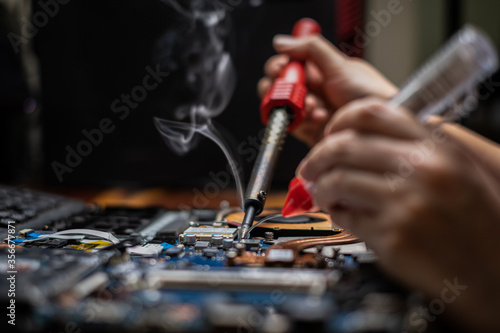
x=281 y=110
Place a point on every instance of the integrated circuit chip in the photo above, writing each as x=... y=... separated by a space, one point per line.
x=205 y=233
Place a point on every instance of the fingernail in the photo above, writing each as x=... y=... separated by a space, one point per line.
x=284 y=40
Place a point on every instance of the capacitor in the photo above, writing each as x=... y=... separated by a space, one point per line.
x=189 y=239
x=217 y=240
x=227 y=243
x=240 y=247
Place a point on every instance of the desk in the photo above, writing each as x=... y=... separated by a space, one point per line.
x=173 y=199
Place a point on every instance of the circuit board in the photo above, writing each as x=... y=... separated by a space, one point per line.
x=152 y=270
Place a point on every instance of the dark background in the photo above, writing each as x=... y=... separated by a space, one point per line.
x=93 y=51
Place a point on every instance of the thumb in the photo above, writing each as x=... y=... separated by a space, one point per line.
x=313 y=48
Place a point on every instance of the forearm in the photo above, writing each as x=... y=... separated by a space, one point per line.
x=482 y=151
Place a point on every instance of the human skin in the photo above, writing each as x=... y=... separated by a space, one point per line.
x=440 y=221
x=333 y=80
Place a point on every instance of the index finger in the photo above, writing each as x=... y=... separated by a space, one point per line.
x=315 y=48
x=275 y=65
x=376 y=116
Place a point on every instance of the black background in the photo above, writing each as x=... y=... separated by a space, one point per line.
x=93 y=51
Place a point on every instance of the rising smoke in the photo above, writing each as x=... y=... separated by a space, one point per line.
x=197 y=50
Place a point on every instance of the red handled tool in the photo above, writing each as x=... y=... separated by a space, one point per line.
x=289 y=90
x=282 y=109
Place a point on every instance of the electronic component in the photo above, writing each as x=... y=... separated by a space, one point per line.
x=24 y=233
x=126 y=278
x=162 y=277
x=206 y=233
x=210 y=252
x=217 y=240
x=121 y=221
x=251 y=244
x=44 y=273
x=227 y=243
x=189 y=239
x=240 y=247
x=200 y=245
x=306 y=225
x=174 y=251
x=167 y=227
x=55 y=243
x=147 y=250
x=281 y=256
x=258 y=279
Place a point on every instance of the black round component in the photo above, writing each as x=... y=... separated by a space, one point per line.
x=291 y=220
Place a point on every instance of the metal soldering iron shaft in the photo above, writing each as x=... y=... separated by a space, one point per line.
x=282 y=109
x=247 y=222
x=264 y=167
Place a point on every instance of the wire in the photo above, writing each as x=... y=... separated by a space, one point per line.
x=267 y=218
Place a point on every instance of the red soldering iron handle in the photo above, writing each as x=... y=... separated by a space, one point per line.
x=290 y=90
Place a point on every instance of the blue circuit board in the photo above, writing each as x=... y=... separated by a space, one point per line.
x=187 y=279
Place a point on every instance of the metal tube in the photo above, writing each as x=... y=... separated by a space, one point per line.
x=247 y=222
x=264 y=167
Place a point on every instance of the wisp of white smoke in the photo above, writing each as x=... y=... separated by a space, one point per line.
x=209 y=71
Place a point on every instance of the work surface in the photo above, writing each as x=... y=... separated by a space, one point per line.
x=173 y=199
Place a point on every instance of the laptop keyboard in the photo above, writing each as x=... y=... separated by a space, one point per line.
x=25 y=208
